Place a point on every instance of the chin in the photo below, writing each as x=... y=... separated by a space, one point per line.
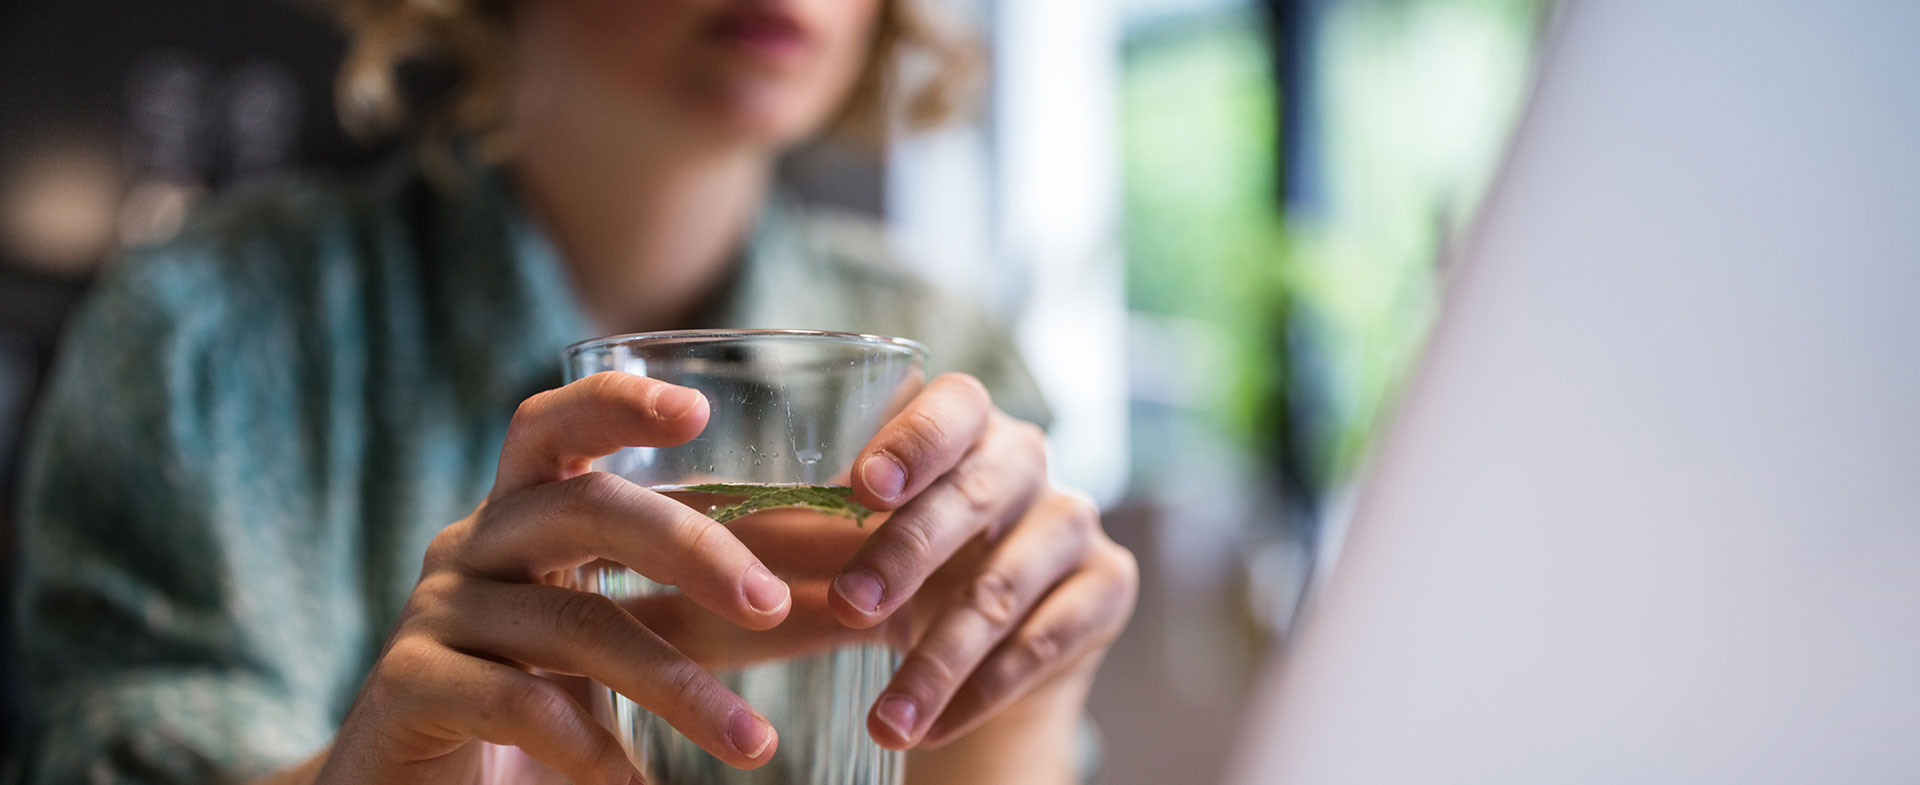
x=758 y=123
x=757 y=108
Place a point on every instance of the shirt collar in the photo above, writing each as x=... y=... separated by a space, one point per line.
x=510 y=307
x=782 y=281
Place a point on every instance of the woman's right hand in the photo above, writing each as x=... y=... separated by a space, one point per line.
x=490 y=608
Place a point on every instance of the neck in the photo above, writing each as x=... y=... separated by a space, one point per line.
x=645 y=241
x=646 y=220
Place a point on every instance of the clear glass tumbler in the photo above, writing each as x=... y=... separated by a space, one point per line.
x=790 y=412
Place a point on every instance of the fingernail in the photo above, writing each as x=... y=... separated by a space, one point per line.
x=676 y=402
x=860 y=589
x=898 y=712
x=748 y=734
x=765 y=593
x=884 y=476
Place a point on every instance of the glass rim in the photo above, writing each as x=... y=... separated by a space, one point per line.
x=669 y=337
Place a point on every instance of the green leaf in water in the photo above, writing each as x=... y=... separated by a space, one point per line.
x=830 y=499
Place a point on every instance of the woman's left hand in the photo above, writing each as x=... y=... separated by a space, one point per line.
x=1037 y=590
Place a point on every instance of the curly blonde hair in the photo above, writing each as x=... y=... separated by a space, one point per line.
x=921 y=71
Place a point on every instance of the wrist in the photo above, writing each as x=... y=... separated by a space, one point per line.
x=1054 y=711
x=1037 y=740
x=307 y=772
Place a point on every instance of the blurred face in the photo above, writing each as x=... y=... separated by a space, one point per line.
x=762 y=72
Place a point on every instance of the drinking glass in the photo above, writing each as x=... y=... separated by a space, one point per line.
x=790 y=410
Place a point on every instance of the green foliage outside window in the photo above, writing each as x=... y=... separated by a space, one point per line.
x=1417 y=99
x=1203 y=231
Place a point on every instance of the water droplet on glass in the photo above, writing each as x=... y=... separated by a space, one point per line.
x=808 y=456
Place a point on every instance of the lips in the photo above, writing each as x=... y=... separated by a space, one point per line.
x=764 y=33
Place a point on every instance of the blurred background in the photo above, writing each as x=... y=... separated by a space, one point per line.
x=1217 y=226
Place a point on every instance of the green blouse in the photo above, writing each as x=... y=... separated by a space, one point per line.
x=255 y=428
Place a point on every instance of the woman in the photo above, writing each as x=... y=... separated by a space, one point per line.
x=251 y=549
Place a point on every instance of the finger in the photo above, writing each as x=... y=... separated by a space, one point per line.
x=556 y=434
x=563 y=525
x=1078 y=620
x=922 y=442
x=1048 y=545
x=450 y=697
x=989 y=489
x=719 y=645
x=573 y=632
x=800 y=544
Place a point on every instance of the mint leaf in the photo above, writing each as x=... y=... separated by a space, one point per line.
x=829 y=499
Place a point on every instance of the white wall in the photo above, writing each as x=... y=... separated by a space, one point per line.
x=1020 y=211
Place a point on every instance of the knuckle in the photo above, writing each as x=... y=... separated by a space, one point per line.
x=911 y=544
x=627 y=391
x=535 y=701
x=1046 y=645
x=1126 y=564
x=583 y=616
x=994 y=682
x=407 y=662
x=607 y=757
x=527 y=427
x=1080 y=513
x=606 y=384
x=994 y=596
x=705 y=543
x=1115 y=561
x=1031 y=436
x=580 y=498
x=969 y=387
x=650 y=391
x=443 y=549
x=684 y=687
x=524 y=433
x=1127 y=574
x=594 y=490
x=522 y=429
x=939 y=670
x=435 y=590
x=975 y=488
x=922 y=437
x=533 y=407
x=706 y=540
x=1000 y=678
x=1033 y=442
